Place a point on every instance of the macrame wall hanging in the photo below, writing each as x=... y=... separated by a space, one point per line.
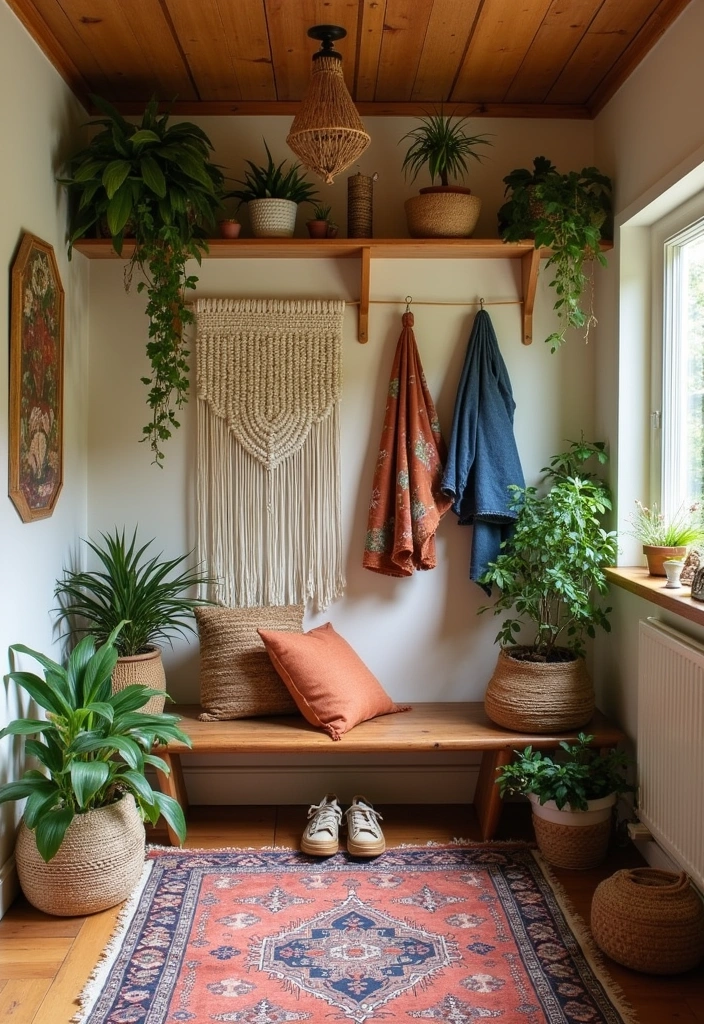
x=269 y=509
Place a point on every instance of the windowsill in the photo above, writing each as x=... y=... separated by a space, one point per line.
x=637 y=581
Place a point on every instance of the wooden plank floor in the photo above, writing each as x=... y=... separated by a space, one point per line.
x=45 y=961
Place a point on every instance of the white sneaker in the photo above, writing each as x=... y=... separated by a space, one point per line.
x=364 y=835
x=320 y=837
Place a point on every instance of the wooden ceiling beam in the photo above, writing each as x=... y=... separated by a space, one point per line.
x=246 y=108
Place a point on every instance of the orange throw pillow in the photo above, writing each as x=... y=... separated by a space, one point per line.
x=329 y=682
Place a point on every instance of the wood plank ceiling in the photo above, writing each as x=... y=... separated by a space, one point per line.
x=536 y=58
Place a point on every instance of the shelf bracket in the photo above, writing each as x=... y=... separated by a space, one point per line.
x=364 y=284
x=530 y=261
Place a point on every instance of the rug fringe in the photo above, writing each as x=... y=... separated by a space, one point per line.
x=93 y=986
x=592 y=954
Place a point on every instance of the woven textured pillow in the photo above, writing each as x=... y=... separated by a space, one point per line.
x=237 y=679
x=329 y=682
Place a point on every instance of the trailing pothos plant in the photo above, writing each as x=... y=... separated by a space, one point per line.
x=569 y=214
x=155 y=182
x=94 y=746
x=551 y=569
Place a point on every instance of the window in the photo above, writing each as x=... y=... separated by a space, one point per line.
x=682 y=367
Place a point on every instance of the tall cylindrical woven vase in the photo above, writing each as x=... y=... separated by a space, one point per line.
x=360 y=204
x=539 y=696
x=142 y=670
x=649 y=920
x=97 y=866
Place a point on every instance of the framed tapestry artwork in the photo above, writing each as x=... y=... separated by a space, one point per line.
x=36 y=380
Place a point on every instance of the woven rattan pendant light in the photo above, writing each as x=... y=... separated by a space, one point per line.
x=327 y=134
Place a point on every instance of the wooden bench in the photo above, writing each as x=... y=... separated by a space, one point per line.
x=427 y=727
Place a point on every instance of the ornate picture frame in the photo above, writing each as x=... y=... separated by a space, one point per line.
x=36 y=380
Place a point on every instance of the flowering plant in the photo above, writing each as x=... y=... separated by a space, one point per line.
x=651 y=527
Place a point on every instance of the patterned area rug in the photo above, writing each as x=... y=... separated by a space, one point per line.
x=441 y=933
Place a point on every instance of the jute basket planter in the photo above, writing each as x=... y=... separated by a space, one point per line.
x=97 y=866
x=142 y=670
x=272 y=218
x=441 y=214
x=649 y=920
x=541 y=697
x=573 y=839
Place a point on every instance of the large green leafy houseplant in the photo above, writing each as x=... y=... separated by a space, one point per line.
x=576 y=774
x=567 y=213
x=147 y=594
x=155 y=181
x=551 y=570
x=94 y=746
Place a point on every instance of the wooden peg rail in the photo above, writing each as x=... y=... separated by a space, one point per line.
x=366 y=250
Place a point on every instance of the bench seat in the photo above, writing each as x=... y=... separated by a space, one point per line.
x=426 y=727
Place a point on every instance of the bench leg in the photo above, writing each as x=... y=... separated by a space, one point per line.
x=173 y=785
x=487 y=802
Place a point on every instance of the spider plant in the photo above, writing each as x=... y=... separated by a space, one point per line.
x=142 y=592
x=440 y=141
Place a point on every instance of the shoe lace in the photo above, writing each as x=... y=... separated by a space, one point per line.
x=364 y=818
x=325 y=815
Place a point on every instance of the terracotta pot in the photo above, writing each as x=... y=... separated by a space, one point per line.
x=657 y=555
x=142 y=670
x=230 y=228
x=317 y=228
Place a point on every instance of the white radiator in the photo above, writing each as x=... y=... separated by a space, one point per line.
x=671 y=743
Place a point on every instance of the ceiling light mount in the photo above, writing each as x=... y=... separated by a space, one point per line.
x=327 y=34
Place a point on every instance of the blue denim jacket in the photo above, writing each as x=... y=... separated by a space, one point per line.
x=482 y=455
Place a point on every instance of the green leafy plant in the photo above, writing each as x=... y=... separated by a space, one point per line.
x=95 y=745
x=441 y=142
x=321 y=212
x=651 y=526
x=551 y=570
x=141 y=592
x=577 y=774
x=154 y=181
x=567 y=213
x=271 y=181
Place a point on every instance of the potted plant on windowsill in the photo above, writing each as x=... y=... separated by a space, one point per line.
x=80 y=847
x=272 y=195
x=155 y=182
x=441 y=143
x=550 y=573
x=147 y=593
x=664 y=538
x=572 y=797
x=569 y=214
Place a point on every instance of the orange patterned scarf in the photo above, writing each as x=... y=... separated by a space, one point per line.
x=406 y=503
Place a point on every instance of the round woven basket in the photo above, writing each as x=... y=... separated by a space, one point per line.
x=573 y=839
x=542 y=697
x=649 y=920
x=97 y=866
x=142 y=670
x=442 y=215
x=272 y=218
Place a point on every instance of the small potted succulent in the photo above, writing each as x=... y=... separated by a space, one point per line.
x=80 y=847
x=272 y=193
x=447 y=210
x=575 y=788
x=319 y=223
x=665 y=538
x=569 y=214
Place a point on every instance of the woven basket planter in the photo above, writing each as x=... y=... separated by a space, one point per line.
x=649 y=920
x=442 y=214
x=97 y=866
x=142 y=670
x=272 y=218
x=573 y=839
x=540 y=697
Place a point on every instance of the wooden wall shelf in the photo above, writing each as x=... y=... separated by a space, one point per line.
x=365 y=250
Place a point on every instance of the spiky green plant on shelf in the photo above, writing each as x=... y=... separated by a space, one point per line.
x=273 y=181
x=95 y=745
x=441 y=142
x=153 y=181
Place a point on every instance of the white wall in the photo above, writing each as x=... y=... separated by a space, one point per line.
x=38 y=120
x=421 y=636
x=649 y=140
